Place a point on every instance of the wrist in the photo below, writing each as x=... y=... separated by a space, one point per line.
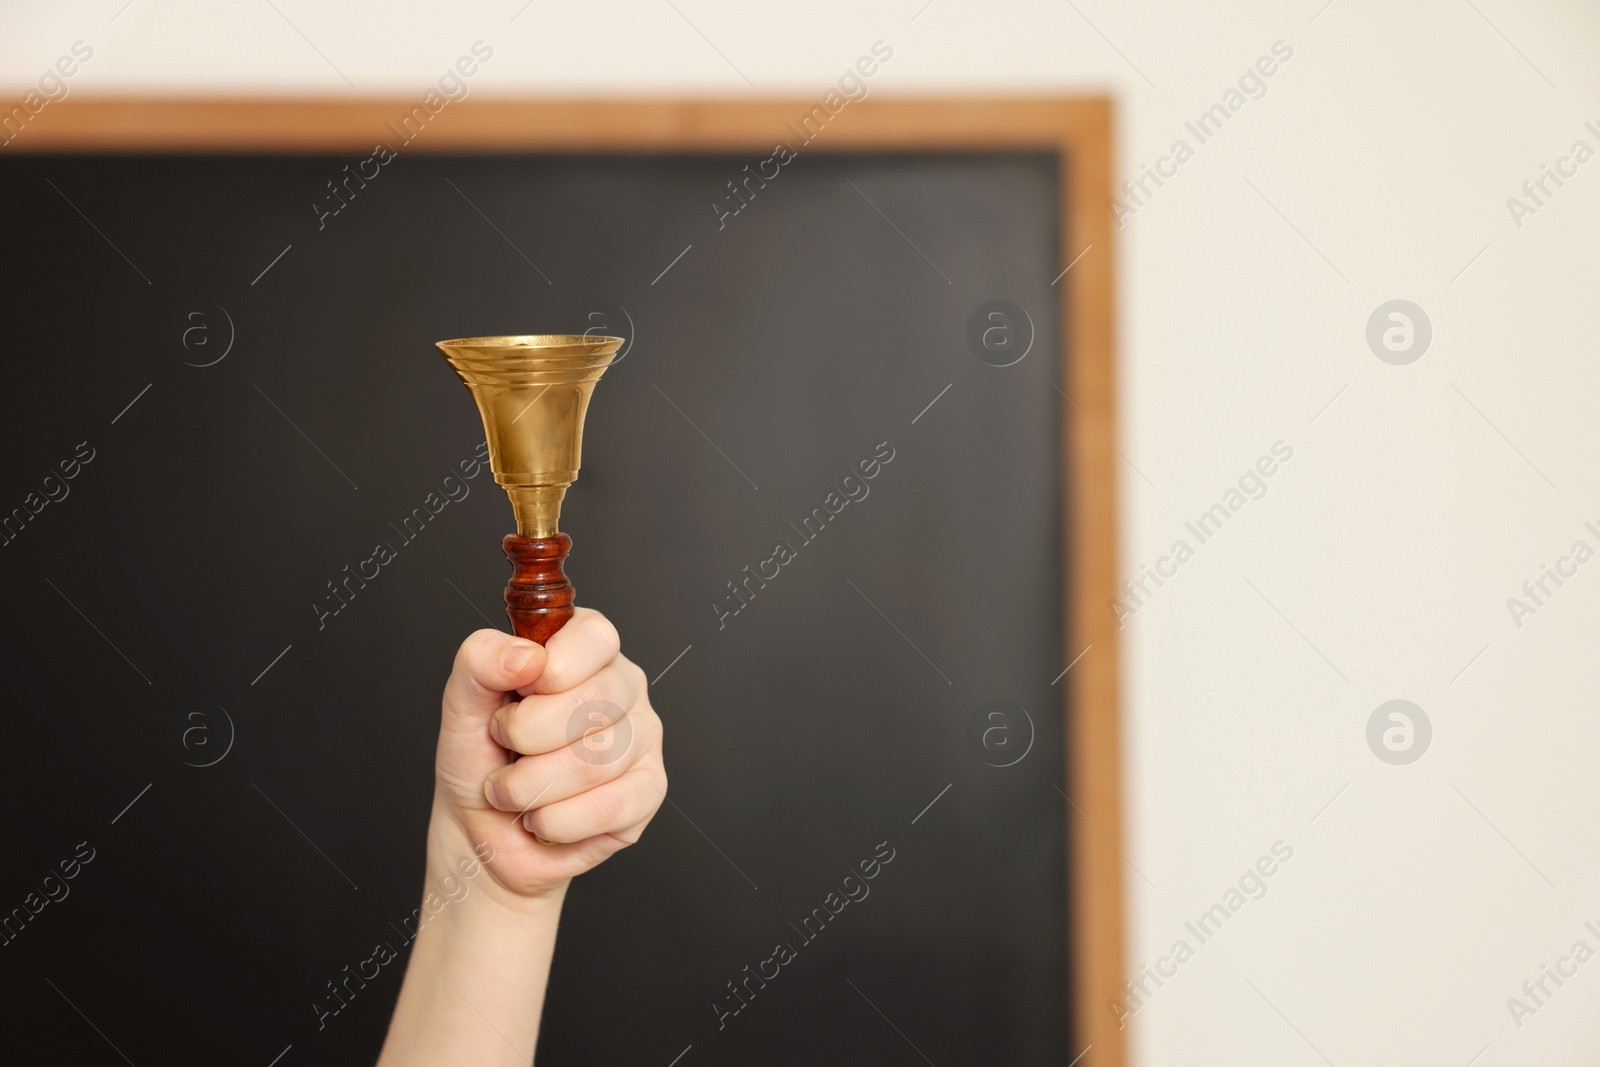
x=480 y=957
x=461 y=865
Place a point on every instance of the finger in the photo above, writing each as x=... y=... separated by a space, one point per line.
x=593 y=760
x=544 y=779
x=489 y=665
x=579 y=857
x=622 y=807
x=578 y=650
x=544 y=723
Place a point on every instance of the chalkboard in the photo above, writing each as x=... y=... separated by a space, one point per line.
x=222 y=396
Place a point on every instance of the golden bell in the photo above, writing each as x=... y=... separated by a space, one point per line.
x=533 y=391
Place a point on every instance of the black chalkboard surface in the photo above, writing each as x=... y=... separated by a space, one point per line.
x=233 y=750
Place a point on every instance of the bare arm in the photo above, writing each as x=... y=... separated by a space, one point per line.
x=549 y=763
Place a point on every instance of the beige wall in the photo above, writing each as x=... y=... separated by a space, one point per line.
x=1376 y=166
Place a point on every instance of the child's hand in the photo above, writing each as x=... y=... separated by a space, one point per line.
x=549 y=755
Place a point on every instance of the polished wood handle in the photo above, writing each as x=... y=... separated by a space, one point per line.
x=538 y=596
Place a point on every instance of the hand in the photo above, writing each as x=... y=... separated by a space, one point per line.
x=551 y=755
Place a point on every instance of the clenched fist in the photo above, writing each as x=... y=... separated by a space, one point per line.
x=551 y=755
x=549 y=763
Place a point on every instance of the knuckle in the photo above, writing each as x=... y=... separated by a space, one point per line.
x=591 y=757
x=586 y=726
x=650 y=723
x=606 y=808
x=594 y=692
x=602 y=636
x=479 y=648
x=515 y=726
x=582 y=766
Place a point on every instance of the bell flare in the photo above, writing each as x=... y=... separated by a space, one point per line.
x=532 y=391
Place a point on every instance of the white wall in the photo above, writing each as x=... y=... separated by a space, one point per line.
x=1414 y=505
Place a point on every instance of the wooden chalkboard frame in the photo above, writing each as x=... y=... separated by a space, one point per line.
x=1078 y=129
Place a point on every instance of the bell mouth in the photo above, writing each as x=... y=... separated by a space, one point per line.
x=536 y=340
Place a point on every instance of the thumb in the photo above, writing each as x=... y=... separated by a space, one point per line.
x=489 y=665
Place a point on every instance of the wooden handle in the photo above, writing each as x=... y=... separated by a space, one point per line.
x=538 y=596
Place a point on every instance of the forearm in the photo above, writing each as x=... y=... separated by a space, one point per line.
x=520 y=808
x=475 y=985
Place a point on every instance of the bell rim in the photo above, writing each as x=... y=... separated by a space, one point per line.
x=534 y=343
